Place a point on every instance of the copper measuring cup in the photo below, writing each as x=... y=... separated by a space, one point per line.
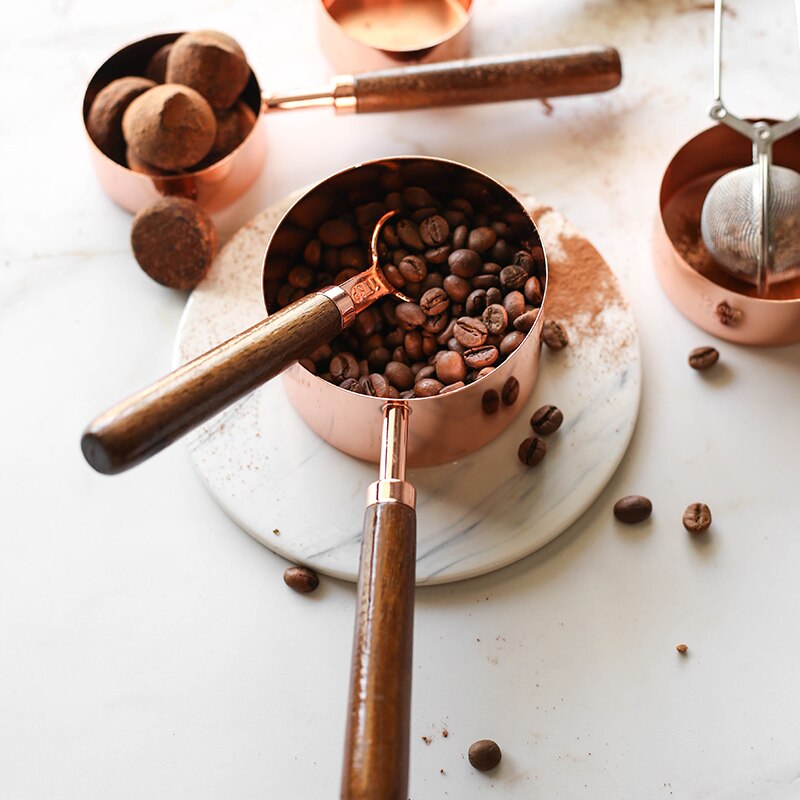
x=481 y=80
x=377 y=740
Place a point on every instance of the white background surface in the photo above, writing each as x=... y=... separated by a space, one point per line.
x=148 y=648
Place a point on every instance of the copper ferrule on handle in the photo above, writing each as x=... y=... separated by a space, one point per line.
x=339 y=95
x=392 y=486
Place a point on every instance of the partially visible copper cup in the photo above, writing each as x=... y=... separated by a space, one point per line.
x=704 y=292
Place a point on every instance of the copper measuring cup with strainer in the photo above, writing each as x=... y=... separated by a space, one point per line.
x=395 y=432
x=479 y=80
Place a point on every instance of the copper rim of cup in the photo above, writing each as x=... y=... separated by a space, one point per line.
x=213 y=187
x=358 y=35
x=696 y=285
x=441 y=428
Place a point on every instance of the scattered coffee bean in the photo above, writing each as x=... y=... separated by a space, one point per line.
x=702 y=358
x=546 y=420
x=682 y=648
x=470 y=332
x=434 y=302
x=510 y=391
x=532 y=451
x=554 y=335
x=484 y=755
x=301 y=579
x=632 y=509
x=697 y=518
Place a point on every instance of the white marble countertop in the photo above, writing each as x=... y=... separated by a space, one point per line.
x=149 y=648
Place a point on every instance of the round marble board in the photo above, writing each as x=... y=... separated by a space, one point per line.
x=304 y=499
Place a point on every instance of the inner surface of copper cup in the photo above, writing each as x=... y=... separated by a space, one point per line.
x=444 y=427
x=214 y=186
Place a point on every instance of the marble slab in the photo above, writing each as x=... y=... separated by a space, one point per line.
x=304 y=499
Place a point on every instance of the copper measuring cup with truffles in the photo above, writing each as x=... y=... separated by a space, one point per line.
x=384 y=426
x=480 y=80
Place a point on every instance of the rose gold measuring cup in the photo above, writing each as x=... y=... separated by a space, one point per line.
x=482 y=80
x=425 y=430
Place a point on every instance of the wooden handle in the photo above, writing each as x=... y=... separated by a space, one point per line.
x=379 y=716
x=488 y=80
x=146 y=423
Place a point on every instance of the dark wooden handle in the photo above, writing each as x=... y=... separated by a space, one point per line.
x=557 y=73
x=379 y=712
x=146 y=423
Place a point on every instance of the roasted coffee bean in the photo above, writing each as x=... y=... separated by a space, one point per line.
x=375 y=385
x=632 y=509
x=352 y=385
x=510 y=391
x=464 y=263
x=308 y=364
x=394 y=201
x=330 y=259
x=502 y=252
x=409 y=315
x=338 y=232
x=470 y=332
x=682 y=648
x=378 y=359
x=481 y=239
x=513 y=277
x=485 y=282
x=399 y=375
x=421 y=214
x=393 y=276
x=398 y=255
x=491 y=268
x=524 y=259
x=313 y=253
x=399 y=354
x=413 y=291
x=417 y=197
x=413 y=345
x=490 y=401
x=447 y=333
x=456 y=346
x=344 y=365
x=301 y=579
x=452 y=387
x=353 y=256
x=701 y=358
x=494 y=296
x=436 y=324
x=480 y=357
x=450 y=367
x=458 y=289
x=532 y=451
x=408 y=233
x=392 y=393
x=484 y=755
x=476 y=302
x=484 y=371
x=368 y=214
x=301 y=277
x=554 y=335
x=284 y=295
x=429 y=344
x=427 y=387
x=344 y=275
x=510 y=342
x=366 y=323
x=433 y=280
x=462 y=205
x=434 y=302
x=533 y=290
x=428 y=371
x=546 y=420
x=495 y=318
x=460 y=236
x=413 y=268
x=514 y=304
x=438 y=255
x=524 y=322
x=322 y=353
x=502 y=229
x=434 y=231
x=697 y=518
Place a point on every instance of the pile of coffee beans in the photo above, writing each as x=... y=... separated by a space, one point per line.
x=474 y=291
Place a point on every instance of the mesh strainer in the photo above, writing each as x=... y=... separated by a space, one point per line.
x=751 y=216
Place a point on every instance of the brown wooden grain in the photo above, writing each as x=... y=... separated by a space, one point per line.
x=147 y=422
x=555 y=73
x=378 y=725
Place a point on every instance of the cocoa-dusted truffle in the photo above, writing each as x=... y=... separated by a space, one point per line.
x=104 y=120
x=170 y=126
x=157 y=65
x=174 y=241
x=233 y=125
x=212 y=63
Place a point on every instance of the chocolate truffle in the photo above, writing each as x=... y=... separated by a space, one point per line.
x=210 y=62
x=174 y=241
x=233 y=125
x=157 y=66
x=170 y=126
x=104 y=120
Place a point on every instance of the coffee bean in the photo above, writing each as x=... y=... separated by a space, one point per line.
x=434 y=302
x=421 y=214
x=338 y=232
x=375 y=385
x=485 y=282
x=524 y=259
x=344 y=365
x=393 y=276
x=502 y=252
x=464 y=263
x=399 y=354
x=417 y=197
x=481 y=239
x=632 y=509
x=462 y=205
x=450 y=367
x=301 y=579
x=554 y=335
x=378 y=358
x=524 y=322
x=533 y=290
x=353 y=256
x=484 y=755
x=409 y=315
x=456 y=346
x=494 y=296
x=452 y=387
x=427 y=387
x=368 y=214
x=510 y=342
x=301 y=277
x=366 y=323
x=702 y=358
x=399 y=375
x=490 y=401
x=546 y=420
x=434 y=231
x=495 y=318
x=697 y=518
x=313 y=253
x=682 y=648
x=428 y=371
x=412 y=343
x=476 y=302
x=413 y=268
x=513 y=277
x=433 y=280
x=460 y=235
x=510 y=391
x=352 y=385
x=458 y=289
x=447 y=333
x=408 y=234
x=490 y=268
x=532 y=451
x=480 y=357
x=470 y=332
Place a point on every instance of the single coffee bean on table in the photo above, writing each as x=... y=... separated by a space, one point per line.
x=301 y=579
x=546 y=420
x=554 y=335
x=633 y=509
x=484 y=754
x=697 y=518
x=682 y=648
x=532 y=451
x=703 y=358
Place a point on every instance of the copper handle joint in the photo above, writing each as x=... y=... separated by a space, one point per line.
x=391 y=490
x=343 y=302
x=392 y=486
x=340 y=94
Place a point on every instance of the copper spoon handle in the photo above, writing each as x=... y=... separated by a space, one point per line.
x=379 y=711
x=556 y=73
x=147 y=422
